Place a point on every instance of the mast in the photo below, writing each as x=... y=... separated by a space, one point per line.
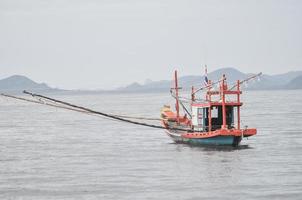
x=223 y=103
x=238 y=107
x=208 y=98
x=192 y=95
x=176 y=93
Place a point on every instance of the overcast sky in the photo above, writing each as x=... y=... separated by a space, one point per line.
x=91 y=44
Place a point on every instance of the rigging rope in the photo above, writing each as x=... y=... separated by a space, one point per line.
x=40 y=101
x=122 y=116
x=87 y=110
x=181 y=103
x=44 y=100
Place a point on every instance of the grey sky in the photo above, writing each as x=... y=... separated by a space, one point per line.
x=109 y=43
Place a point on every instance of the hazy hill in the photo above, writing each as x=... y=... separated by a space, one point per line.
x=17 y=83
x=266 y=82
x=296 y=83
x=290 y=80
x=185 y=81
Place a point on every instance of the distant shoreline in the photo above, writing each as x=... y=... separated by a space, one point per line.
x=287 y=81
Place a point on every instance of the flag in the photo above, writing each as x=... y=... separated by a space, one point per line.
x=206 y=80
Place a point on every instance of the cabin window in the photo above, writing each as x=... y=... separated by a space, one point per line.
x=214 y=112
x=217 y=118
x=200 y=116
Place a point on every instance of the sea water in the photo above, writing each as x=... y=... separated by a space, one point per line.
x=49 y=153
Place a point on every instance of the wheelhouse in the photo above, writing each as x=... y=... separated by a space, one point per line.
x=201 y=115
x=211 y=114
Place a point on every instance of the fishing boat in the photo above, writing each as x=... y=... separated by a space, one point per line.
x=214 y=120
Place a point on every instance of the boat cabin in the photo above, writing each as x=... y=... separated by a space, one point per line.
x=200 y=117
x=212 y=115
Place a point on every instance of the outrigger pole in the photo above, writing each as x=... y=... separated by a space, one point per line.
x=206 y=87
x=246 y=80
x=223 y=79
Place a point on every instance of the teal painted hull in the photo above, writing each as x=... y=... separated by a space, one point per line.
x=219 y=140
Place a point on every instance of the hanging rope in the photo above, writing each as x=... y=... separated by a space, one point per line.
x=69 y=106
x=53 y=104
x=181 y=103
x=122 y=116
x=44 y=100
x=42 y=103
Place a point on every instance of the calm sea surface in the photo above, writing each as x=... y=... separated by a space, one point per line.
x=48 y=153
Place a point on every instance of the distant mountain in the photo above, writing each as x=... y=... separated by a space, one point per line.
x=266 y=82
x=295 y=83
x=290 y=80
x=17 y=83
x=184 y=81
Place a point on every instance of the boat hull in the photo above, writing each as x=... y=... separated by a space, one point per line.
x=216 y=140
